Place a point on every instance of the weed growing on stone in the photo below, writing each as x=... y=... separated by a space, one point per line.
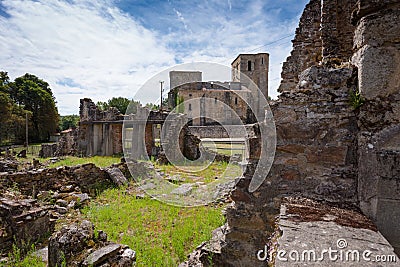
x=161 y=235
x=356 y=99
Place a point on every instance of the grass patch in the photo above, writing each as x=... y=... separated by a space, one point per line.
x=161 y=235
x=16 y=259
x=99 y=161
x=215 y=169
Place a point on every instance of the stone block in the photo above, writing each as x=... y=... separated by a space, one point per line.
x=378 y=69
x=388 y=220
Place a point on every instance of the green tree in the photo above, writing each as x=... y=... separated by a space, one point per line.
x=120 y=103
x=68 y=121
x=102 y=105
x=152 y=106
x=36 y=96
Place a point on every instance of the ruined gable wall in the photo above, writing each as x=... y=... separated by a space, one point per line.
x=307 y=46
x=315 y=157
x=337 y=31
x=100 y=132
x=324 y=35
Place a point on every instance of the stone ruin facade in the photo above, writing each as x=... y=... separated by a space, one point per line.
x=100 y=132
x=143 y=128
x=337 y=124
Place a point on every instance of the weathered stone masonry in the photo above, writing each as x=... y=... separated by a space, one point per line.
x=377 y=56
x=326 y=149
x=100 y=132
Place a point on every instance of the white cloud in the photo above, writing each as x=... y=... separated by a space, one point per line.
x=98 y=47
x=90 y=48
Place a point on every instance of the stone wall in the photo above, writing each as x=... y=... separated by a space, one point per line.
x=100 y=132
x=206 y=102
x=177 y=78
x=88 y=177
x=307 y=46
x=22 y=222
x=325 y=35
x=377 y=56
x=315 y=157
x=337 y=123
x=337 y=31
x=218 y=131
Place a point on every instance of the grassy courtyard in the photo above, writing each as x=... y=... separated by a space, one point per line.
x=161 y=234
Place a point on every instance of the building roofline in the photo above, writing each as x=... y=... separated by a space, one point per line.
x=197 y=71
x=249 y=55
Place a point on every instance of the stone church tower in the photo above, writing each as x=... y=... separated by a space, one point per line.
x=255 y=67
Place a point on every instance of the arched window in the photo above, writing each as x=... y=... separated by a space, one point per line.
x=249 y=65
x=190 y=106
x=235 y=100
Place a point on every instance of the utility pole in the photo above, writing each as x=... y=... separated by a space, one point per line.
x=26 y=129
x=161 y=85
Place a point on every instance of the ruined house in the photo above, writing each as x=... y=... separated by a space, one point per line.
x=227 y=103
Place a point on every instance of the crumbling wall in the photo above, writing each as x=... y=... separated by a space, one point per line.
x=377 y=56
x=88 y=177
x=22 y=222
x=333 y=144
x=307 y=46
x=315 y=157
x=100 y=132
x=324 y=35
x=337 y=31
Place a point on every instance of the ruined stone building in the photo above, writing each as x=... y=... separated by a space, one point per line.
x=100 y=132
x=227 y=103
x=337 y=127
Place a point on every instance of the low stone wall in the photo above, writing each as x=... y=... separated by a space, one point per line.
x=22 y=222
x=48 y=150
x=88 y=177
x=218 y=131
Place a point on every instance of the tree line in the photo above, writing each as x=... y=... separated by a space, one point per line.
x=30 y=100
x=26 y=99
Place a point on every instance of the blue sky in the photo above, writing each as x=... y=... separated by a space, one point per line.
x=105 y=48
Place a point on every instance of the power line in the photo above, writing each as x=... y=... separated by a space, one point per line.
x=267 y=44
x=275 y=41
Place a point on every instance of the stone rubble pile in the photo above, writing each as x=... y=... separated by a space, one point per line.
x=79 y=245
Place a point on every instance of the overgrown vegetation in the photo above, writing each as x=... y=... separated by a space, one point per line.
x=356 y=99
x=161 y=235
x=120 y=103
x=16 y=258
